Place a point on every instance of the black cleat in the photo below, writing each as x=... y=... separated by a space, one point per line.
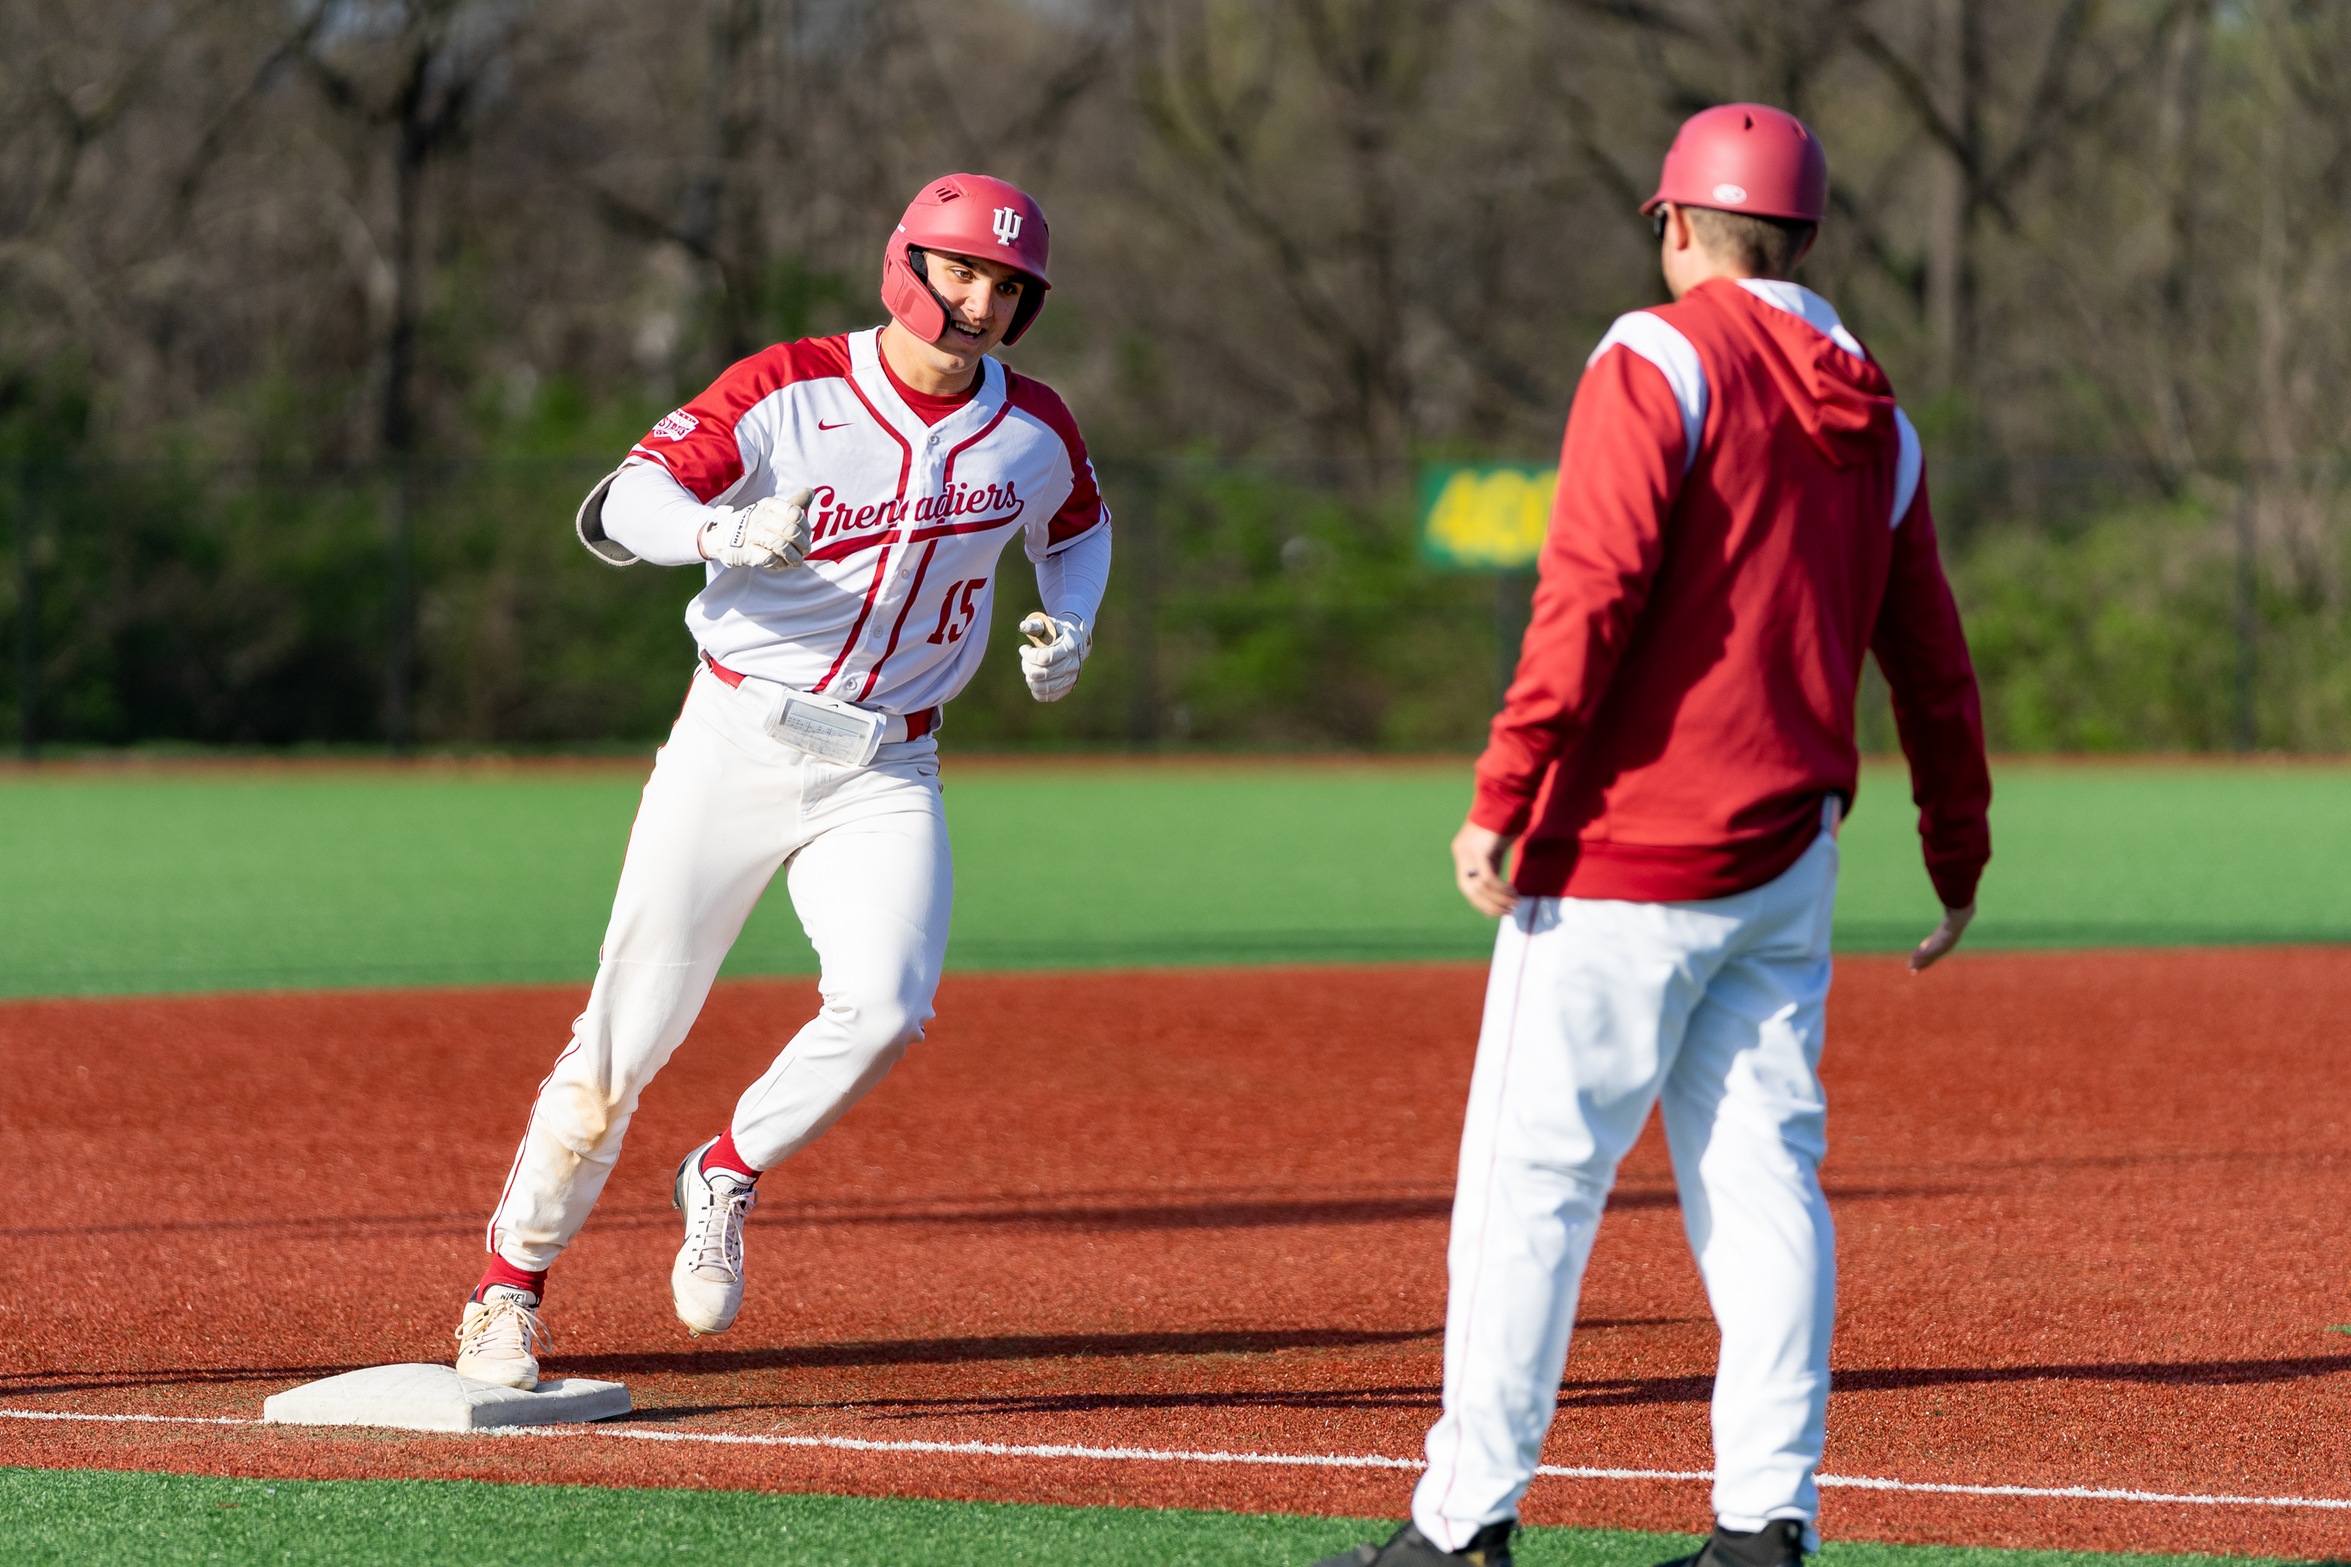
x=1408 y=1547
x=1779 y=1543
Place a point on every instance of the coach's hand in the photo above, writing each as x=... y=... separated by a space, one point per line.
x=767 y=535
x=1946 y=937
x=1478 y=856
x=1057 y=647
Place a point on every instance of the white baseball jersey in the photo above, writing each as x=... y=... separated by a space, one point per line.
x=908 y=518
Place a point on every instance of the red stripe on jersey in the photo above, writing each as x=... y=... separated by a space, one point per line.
x=698 y=445
x=947 y=474
x=1083 y=509
x=922 y=569
x=905 y=451
x=950 y=529
x=842 y=549
x=865 y=612
x=873 y=591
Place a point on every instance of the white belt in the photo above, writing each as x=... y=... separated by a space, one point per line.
x=824 y=726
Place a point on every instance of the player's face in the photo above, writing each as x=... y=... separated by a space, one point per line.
x=981 y=297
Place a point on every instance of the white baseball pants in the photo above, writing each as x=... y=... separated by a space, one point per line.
x=870 y=875
x=1595 y=1010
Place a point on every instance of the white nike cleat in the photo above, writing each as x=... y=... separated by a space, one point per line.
x=706 y=1282
x=500 y=1338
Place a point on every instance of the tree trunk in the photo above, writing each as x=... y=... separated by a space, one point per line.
x=1958 y=73
x=2177 y=136
x=1138 y=535
x=28 y=625
x=721 y=220
x=399 y=436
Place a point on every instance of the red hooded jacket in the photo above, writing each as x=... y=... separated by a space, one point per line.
x=1741 y=513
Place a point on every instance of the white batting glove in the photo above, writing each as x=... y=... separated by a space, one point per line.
x=767 y=535
x=1057 y=646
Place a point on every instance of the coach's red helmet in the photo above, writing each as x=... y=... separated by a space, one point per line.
x=1746 y=157
x=969 y=215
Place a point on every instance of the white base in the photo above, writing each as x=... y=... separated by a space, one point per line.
x=436 y=1398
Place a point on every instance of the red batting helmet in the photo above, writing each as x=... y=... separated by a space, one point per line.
x=1746 y=157
x=969 y=215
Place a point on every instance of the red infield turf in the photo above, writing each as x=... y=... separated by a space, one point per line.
x=2093 y=1221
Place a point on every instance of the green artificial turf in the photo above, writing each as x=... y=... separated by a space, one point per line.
x=92 y=1517
x=141 y=881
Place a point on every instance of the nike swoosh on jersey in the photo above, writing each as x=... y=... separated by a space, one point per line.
x=843 y=425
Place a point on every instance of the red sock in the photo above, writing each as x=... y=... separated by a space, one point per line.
x=500 y=1271
x=721 y=1155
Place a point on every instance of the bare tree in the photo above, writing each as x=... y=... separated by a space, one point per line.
x=410 y=76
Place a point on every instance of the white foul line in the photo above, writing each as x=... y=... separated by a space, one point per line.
x=1160 y=1455
x=151 y=1420
x=853 y=1444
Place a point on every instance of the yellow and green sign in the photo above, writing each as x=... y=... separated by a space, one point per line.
x=1484 y=516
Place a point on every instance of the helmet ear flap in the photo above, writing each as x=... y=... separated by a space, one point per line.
x=1032 y=300
x=908 y=295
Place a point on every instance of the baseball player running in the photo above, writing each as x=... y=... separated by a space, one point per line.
x=1740 y=514
x=847 y=498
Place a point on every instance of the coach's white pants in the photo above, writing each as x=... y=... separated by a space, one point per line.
x=1596 y=1010
x=869 y=873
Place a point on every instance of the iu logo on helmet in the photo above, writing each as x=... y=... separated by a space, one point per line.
x=1007 y=225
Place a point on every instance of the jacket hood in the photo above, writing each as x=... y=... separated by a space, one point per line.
x=1838 y=394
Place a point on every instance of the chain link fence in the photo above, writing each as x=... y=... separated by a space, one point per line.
x=1265 y=606
x=447 y=606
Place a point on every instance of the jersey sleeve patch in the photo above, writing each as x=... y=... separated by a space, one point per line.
x=1660 y=342
x=705 y=445
x=1083 y=510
